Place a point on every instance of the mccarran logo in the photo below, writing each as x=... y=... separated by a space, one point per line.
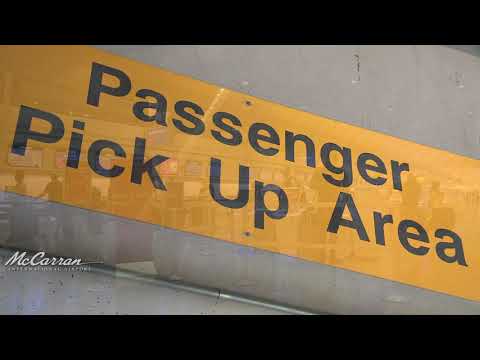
x=39 y=262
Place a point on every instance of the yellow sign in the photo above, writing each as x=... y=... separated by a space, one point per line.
x=132 y=140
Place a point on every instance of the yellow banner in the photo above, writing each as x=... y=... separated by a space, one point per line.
x=93 y=130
